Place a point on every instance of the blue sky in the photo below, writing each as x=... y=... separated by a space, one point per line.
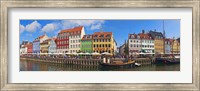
x=31 y=29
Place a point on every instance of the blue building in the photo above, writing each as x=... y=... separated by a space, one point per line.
x=37 y=41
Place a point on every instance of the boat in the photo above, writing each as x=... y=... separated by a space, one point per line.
x=137 y=64
x=174 y=60
x=117 y=63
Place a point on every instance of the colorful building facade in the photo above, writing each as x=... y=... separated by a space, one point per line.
x=147 y=43
x=44 y=46
x=158 y=41
x=75 y=39
x=36 y=43
x=69 y=40
x=52 y=47
x=175 y=46
x=134 y=43
x=167 y=46
x=86 y=44
x=29 y=47
x=103 y=42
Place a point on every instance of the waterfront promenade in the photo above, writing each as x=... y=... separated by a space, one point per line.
x=85 y=61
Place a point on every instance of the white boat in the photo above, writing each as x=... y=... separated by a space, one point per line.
x=177 y=56
x=137 y=64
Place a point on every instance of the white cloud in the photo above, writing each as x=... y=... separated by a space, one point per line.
x=33 y=26
x=50 y=27
x=21 y=28
x=97 y=26
x=92 y=24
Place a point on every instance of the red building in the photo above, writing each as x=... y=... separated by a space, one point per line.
x=29 y=47
x=64 y=36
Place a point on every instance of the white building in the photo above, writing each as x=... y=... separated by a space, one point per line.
x=134 y=43
x=75 y=39
x=147 y=43
x=23 y=50
x=69 y=40
x=115 y=48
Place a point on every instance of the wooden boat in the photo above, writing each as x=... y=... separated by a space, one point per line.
x=118 y=64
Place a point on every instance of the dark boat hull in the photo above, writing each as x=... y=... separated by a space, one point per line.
x=167 y=60
x=117 y=65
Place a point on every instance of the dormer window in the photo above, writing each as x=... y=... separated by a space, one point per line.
x=101 y=35
x=108 y=35
x=95 y=36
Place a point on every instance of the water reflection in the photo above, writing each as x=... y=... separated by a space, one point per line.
x=26 y=65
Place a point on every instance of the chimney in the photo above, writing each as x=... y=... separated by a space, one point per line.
x=143 y=31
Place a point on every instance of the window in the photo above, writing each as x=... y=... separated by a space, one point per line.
x=131 y=41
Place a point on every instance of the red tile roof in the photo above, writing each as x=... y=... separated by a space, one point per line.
x=102 y=35
x=133 y=36
x=87 y=37
x=75 y=29
x=144 y=36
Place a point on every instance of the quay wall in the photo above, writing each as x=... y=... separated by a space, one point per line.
x=65 y=61
x=74 y=61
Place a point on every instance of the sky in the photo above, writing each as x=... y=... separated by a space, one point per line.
x=31 y=29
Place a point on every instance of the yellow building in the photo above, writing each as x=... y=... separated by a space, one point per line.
x=44 y=47
x=103 y=42
x=159 y=46
x=175 y=45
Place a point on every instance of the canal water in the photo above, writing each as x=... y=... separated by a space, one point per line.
x=26 y=65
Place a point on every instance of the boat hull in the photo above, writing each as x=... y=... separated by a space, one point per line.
x=167 y=60
x=117 y=65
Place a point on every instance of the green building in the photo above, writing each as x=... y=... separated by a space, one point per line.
x=86 y=44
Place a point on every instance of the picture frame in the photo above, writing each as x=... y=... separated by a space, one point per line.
x=7 y=4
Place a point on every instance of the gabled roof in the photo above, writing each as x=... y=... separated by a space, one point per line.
x=102 y=35
x=87 y=37
x=155 y=34
x=75 y=29
x=145 y=36
x=133 y=36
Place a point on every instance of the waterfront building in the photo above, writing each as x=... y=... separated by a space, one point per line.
x=121 y=50
x=147 y=43
x=44 y=46
x=22 y=47
x=167 y=46
x=86 y=44
x=134 y=44
x=158 y=41
x=69 y=40
x=36 y=43
x=103 y=42
x=23 y=50
x=52 y=46
x=29 y=47
x=175 y=45
x=115 y=47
